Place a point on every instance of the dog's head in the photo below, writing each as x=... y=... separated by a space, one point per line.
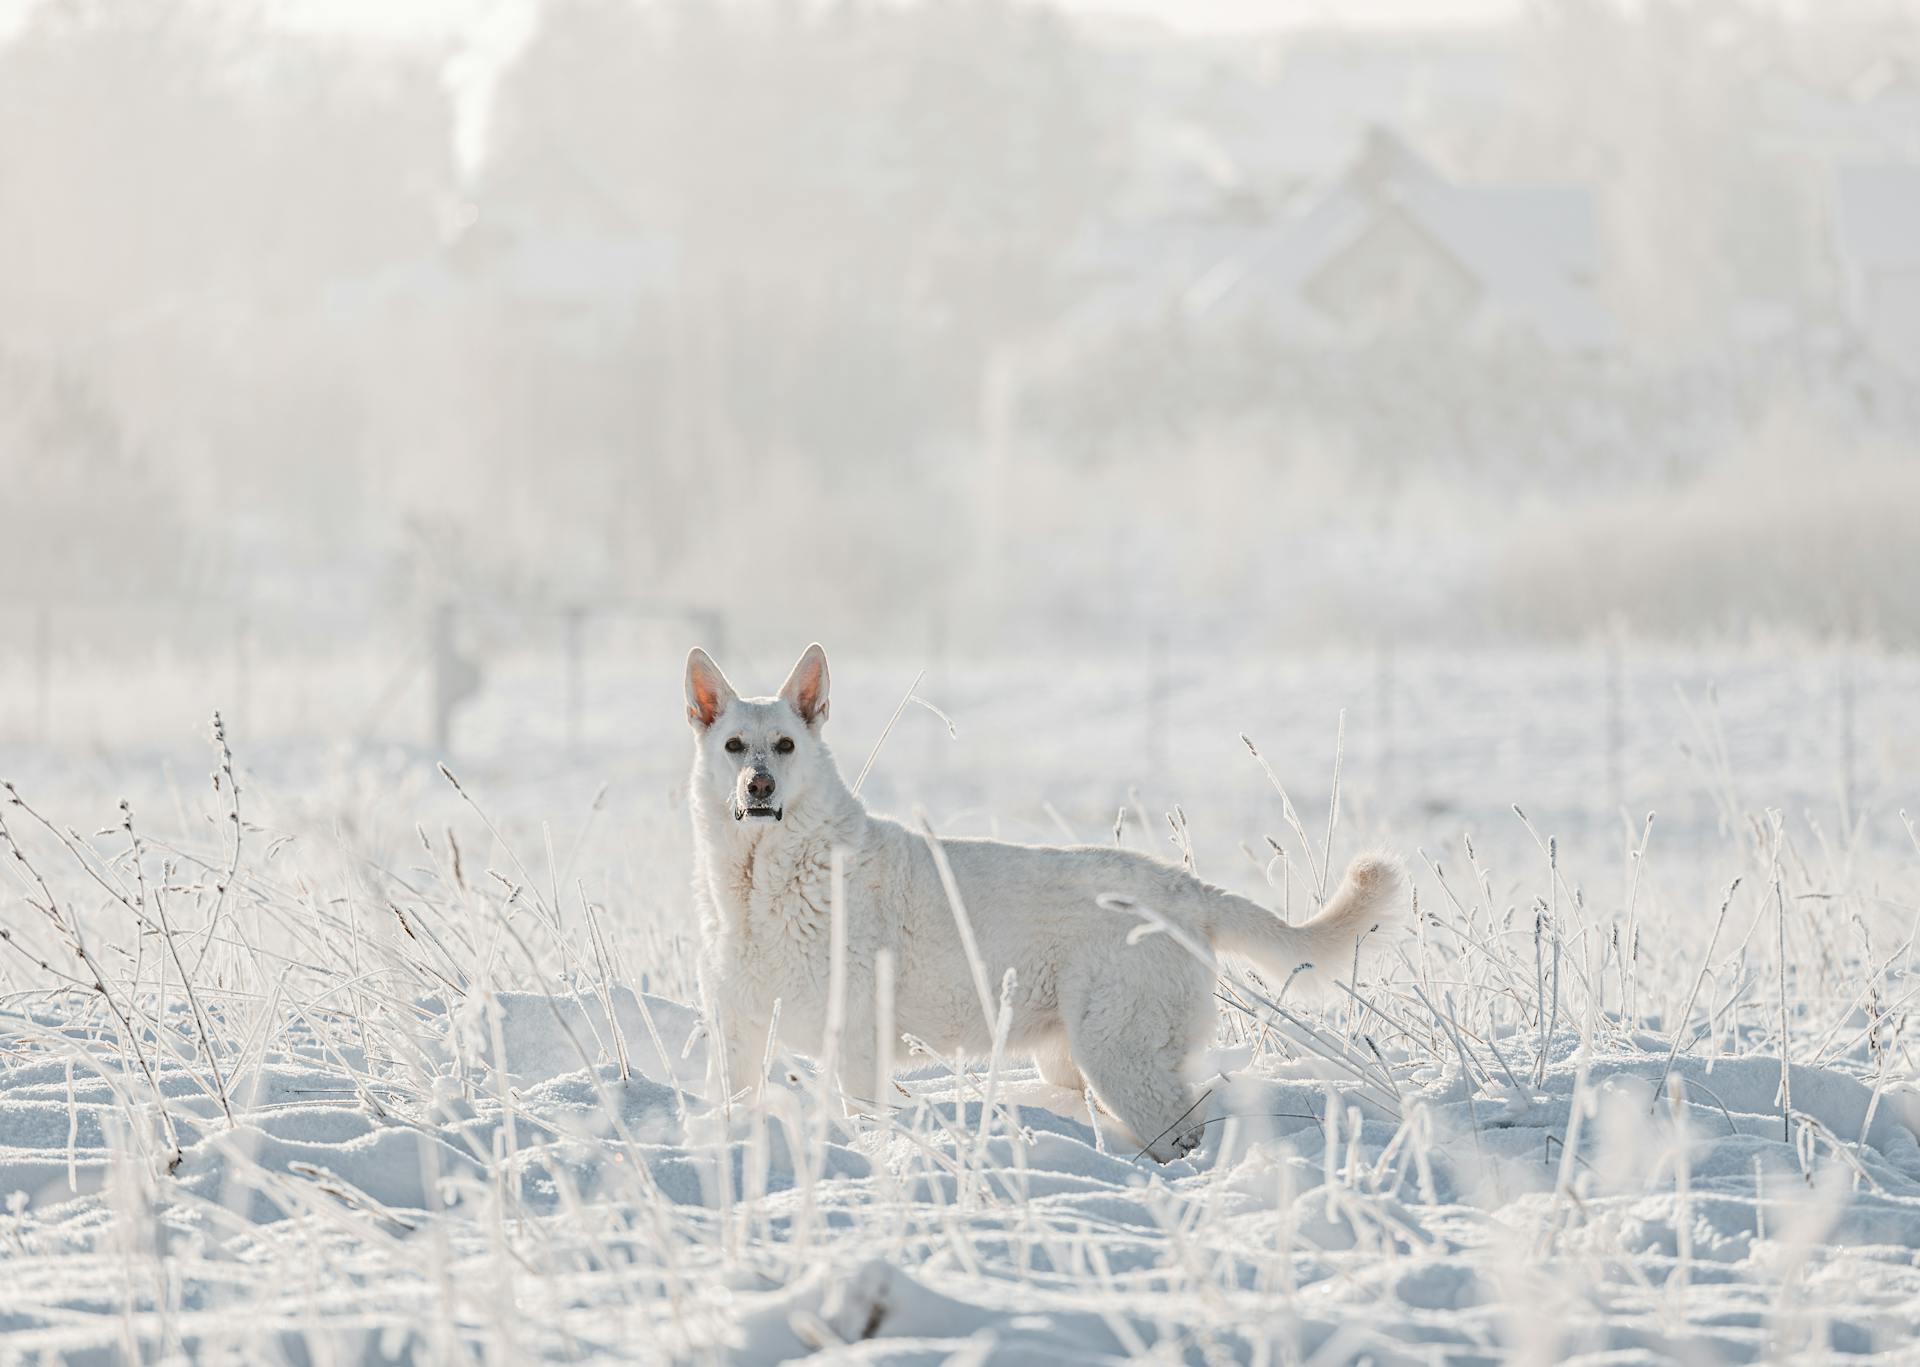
x=759 y=757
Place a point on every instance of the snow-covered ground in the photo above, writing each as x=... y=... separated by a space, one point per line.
x=390 y=1069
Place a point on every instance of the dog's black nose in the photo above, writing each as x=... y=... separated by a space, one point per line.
x=760 y=786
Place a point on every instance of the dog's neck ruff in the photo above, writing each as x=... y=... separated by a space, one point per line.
x=752 y=866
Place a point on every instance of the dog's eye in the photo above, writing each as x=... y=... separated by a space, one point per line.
x=735 y=745
x=784 y=745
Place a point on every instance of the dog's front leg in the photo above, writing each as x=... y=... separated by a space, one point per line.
x=742 y=1052
x=857 y=1064
x=862 y=1089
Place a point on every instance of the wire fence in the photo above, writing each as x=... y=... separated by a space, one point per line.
x=1589 y=735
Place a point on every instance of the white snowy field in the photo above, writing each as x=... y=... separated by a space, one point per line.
x=332 y=1061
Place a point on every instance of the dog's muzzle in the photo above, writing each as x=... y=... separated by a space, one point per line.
x=759 y=813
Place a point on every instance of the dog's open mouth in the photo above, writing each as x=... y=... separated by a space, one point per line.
x=759 y=813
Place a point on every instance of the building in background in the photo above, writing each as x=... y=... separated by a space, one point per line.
x=1386 y=249
x=1877 y=241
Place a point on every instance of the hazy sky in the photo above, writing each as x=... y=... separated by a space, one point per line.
x=1210 y=15
x=414 y=19
x=424 y=18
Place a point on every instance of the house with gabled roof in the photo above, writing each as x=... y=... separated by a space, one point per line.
x=1877 y=244
x=1388 y=248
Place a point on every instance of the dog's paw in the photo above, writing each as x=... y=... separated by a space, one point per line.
x=1170 y=1147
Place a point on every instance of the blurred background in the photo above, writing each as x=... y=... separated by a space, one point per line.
x=431 y=374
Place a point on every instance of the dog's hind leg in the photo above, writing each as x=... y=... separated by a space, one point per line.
x=1135 y=1056
x=1054 y=1058
x=1140 y=1082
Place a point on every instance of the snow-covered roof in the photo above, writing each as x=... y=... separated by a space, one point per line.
x=1532 y=247
x=1329 y=91
x=1140 y=270
x=1532 y=251
x=581 y=273
x=1878 y=217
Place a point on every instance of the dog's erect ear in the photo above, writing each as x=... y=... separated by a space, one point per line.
x=708 y=691
x=806 y=688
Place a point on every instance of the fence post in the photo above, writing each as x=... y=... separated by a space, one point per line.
x=1612 y=722
x=574 y=622
x=455 y=678
x=936 y=743
x=1846 y=745
x=1156 y=708
x=238 y=708
x=43 y=673
x=1383 y=705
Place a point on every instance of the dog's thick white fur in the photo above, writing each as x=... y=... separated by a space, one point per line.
x=770 y=809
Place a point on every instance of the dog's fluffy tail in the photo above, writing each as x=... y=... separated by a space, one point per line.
x=1367 y=901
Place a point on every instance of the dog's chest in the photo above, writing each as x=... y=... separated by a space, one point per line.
x=777 y=919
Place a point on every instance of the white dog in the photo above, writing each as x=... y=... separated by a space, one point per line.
x=769 y=812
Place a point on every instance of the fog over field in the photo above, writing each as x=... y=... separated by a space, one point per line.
x=1248 y=433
